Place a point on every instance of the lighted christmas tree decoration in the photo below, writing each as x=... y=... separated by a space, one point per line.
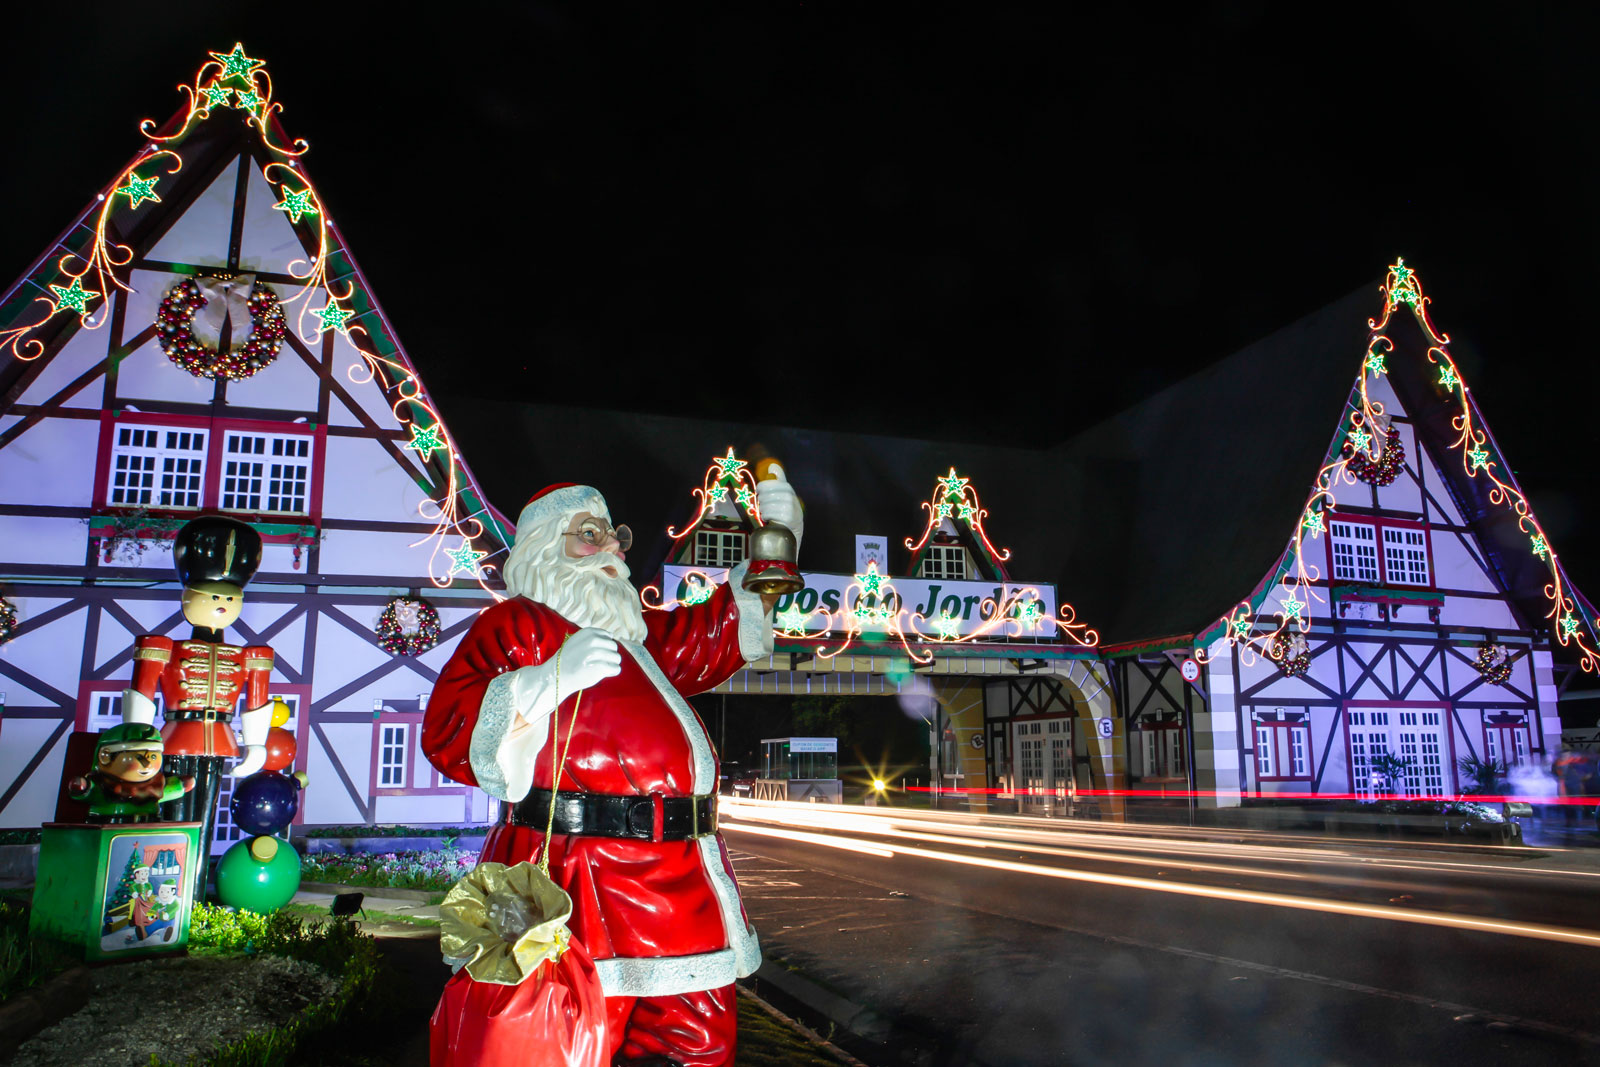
x=138 y=189
x=73 y=296
x=236 y=64
x=464 y=559
x=425 y=440
x=296 y=204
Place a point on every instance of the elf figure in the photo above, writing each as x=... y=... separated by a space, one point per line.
x=125 y=784
x=164 y=912
x=202 y=678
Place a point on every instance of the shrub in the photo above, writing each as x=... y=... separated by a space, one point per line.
x=26 y=962
x=434 y=869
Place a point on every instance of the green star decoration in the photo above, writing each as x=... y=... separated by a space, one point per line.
x=1569 y=625
x=871 y=581
x=1361 y=439
x=1479 y=457
x=1240 y=627
x=1312 y=523
x=745 y=498
x=1375 y=362
x=948 y=625
x=792 y=620
x=248 y=100
x=952 y=485
x=73 y=296
x=719 y=493
x=216 y=95
x=425 y=440
x=1540 y=546
x=730 y=467
x=966 y=513
x=1292 y=607
x=236 y=64
x=334 y=317
x=464 y=560
x=296 y=204
x=140 y=189
x=1030 y=613
x=942 y=512
x=1447 y=377
x=1402 y=273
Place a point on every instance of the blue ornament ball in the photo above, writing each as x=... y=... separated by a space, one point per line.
x=264 y=803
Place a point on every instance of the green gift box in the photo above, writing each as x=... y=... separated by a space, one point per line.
x=116 y=891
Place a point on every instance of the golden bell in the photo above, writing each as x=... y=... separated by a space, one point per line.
x=773 y=570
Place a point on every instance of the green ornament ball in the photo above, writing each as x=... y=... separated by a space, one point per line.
x=259 y=875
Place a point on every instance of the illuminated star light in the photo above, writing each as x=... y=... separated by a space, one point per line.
x=73 y=296
x=792 y=620
x=730 y=467
x=1361 y=439
x=1292 y=607
x=248 y=101
x=425 y=440
x=1313 y=523
x=1375 y=362
x=296 y=204
x=1540 y=546
x=464 y=560
x=236 y=64
x=966 y=513
x=334 y=317
x=1240 y=627
x=140 y=189
x=1030 y=613
x=216 y=95
x=745 y=498
x=1479 y=456
x=871 y=581
x=948 y=625
x=1447 y=377
x=952 y=484
x=942 y=512
x=719 y=493
x=1569 y=625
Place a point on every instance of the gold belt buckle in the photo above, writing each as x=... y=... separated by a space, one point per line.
x=694 y=816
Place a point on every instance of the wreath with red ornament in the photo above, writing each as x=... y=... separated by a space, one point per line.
x=8 y=620
x=1291 y=653
x=1494 y=663
x=1385 y=470
x=408 y=627
x=175 y=320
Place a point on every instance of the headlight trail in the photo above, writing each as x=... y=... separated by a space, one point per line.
x=1539 y=931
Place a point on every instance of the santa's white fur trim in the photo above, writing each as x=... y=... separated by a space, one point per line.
x=557 y=502
x=503 y=758
x=755 y=622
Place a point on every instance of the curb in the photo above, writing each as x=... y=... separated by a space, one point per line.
x=372 y=891
x=863 y=1022
x=40 y=1007
x=811 y=1035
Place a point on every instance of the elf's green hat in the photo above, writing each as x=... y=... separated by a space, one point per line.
x=129 y=736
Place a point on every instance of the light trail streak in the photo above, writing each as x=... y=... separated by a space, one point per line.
x=1538 y=931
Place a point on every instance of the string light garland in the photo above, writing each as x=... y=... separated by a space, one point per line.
x=1401 y=288
x=408 y=627
x=175 y=320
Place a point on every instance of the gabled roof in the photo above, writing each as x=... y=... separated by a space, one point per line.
x=230 y=111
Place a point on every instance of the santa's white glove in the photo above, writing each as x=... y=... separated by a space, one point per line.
x=775 y=497
x=136 y=707
x=591 y=655
x=253 y=726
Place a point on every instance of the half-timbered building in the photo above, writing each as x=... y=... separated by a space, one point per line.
x=201 y=340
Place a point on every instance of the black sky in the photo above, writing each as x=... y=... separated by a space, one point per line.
x=936 y=221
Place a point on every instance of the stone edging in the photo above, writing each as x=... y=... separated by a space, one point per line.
x=45 y=1005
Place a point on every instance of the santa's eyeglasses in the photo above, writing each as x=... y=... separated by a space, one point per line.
x=595 y=534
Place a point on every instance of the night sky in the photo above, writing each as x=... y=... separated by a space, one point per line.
x=930 y=221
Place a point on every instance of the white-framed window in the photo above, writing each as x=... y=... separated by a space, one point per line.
x=1264 y=752
x=1355 y=551
x=718 y=548
x=1161 y=748
x=157 y=466
x=1416 y=736
x=1506 y=743
x=1043 y=756
x=392 y=755
x=266 y=472
x=947 y=562
x=1405 y=555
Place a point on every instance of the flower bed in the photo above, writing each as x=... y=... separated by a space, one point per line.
x=431 y=869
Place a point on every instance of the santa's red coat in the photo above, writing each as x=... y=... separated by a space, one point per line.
x=657 y=917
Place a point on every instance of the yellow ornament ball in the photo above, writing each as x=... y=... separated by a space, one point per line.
x=280 y=711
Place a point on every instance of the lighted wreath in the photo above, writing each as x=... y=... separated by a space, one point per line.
x=215 y=300
x=408 y=627
x=8 y=620
x=1291 y=653
x=1383 y=472
x=1494 y=663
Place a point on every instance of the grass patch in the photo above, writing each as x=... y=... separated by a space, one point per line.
x=765 y=1041
x=319 y=913
x=24 y=961
x=397 y=831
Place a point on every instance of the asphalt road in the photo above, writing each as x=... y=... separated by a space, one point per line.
x=1016 y=942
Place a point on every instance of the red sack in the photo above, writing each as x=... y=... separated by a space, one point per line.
x=554 y=1018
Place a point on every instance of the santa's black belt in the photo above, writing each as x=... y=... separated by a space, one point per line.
x=200 y=714
x=652 y=817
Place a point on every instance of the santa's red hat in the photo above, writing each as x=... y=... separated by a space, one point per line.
x=561 y=499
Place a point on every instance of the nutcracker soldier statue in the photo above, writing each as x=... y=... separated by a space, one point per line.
x=202 y=678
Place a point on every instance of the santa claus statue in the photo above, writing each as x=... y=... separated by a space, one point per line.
x=634 y=841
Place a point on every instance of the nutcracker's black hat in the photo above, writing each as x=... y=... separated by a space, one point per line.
x=216 y=549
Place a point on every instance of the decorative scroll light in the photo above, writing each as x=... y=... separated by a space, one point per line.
x=1356 y=458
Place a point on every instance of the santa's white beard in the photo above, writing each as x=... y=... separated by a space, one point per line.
x=579 y=590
